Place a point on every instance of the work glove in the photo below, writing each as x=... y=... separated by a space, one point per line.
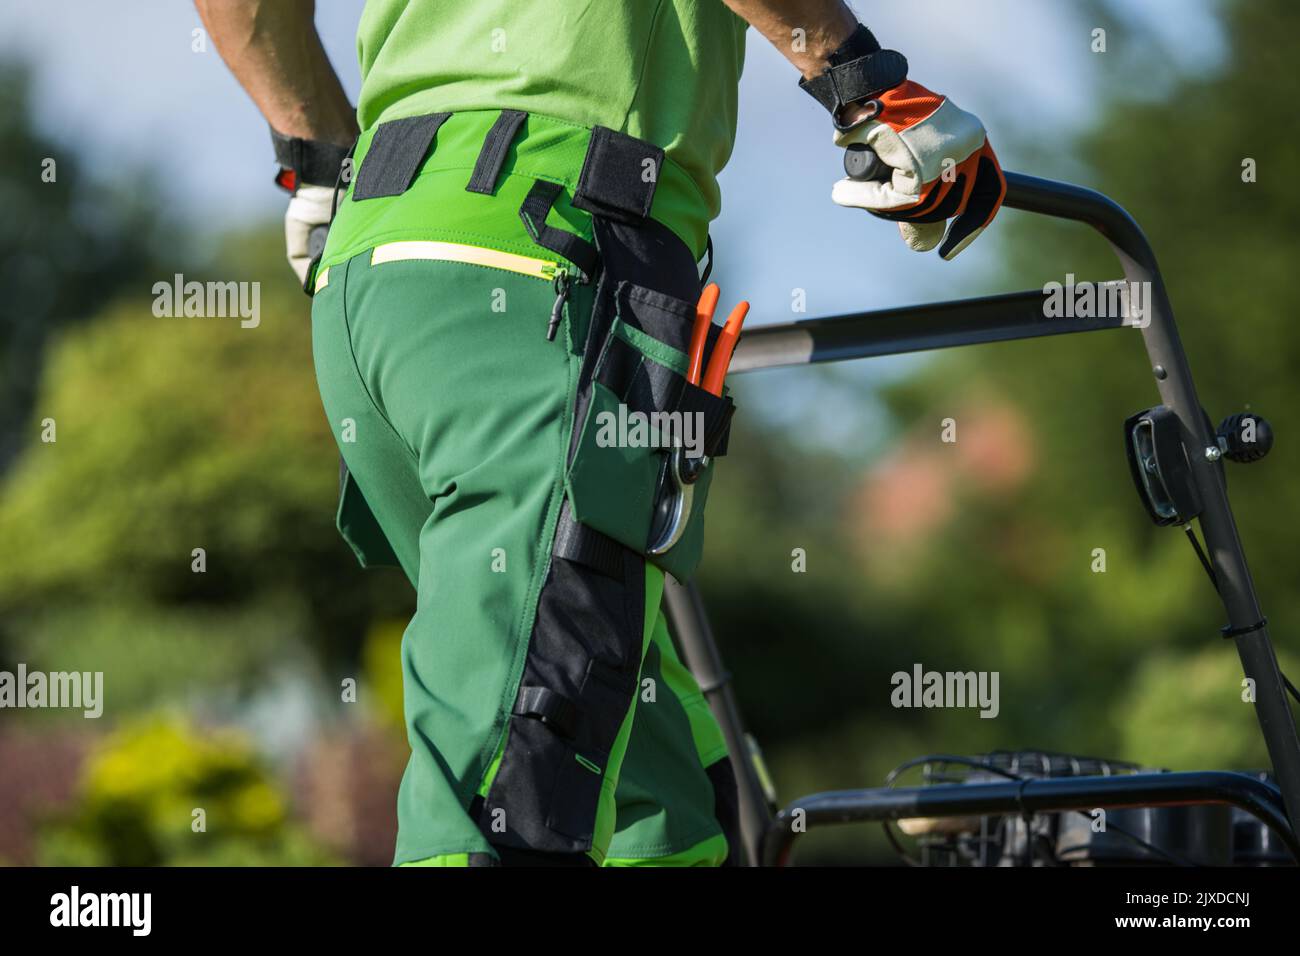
x=306 y=225
x=312 y=173
x=943 y=169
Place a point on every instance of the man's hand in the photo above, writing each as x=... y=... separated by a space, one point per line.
x=944 y=169
x=306 y=222
x=272 y=48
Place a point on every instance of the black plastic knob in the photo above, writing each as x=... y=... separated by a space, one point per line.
x=1245 y=437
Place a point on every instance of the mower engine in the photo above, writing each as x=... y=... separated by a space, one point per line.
x=1209 y=835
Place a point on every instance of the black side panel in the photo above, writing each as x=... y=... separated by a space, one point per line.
x=513 y=857
x=726 y=807
x=585 y=646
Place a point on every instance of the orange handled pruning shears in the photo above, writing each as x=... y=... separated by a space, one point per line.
x=720 y=360
x=674 y=511
x=700 y=330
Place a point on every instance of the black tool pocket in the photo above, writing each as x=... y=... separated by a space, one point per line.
x=584 y=653
x=644 y=428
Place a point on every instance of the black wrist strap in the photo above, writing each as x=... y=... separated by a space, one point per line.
x=861 y=42
x=313 y=162
x=859 y=69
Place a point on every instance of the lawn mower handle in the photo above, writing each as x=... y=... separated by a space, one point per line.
x=1042 y=196
x=1010 y=317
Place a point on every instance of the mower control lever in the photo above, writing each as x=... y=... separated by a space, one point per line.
x=863 y=165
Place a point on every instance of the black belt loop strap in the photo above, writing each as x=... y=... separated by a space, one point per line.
x=708 y=268
x=856 y=80
x=588 y=547
x=313 y=162
x=554 y=710
x=395 y=155
x=533 y=212
x=618 y=177
x=493 y=154
x=344 y=176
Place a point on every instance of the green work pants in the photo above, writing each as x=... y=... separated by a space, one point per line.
x=454 y=414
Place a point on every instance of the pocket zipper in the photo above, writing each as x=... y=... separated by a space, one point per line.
x=561 y=285
x=478 y=255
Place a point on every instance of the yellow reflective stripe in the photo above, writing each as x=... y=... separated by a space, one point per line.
x=323 y=279
x=457 y=252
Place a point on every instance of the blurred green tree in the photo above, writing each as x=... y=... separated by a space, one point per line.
x=71 y=237
x=177 y=434
x=163 y=793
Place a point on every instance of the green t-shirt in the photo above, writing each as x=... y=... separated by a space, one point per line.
x=665 y=71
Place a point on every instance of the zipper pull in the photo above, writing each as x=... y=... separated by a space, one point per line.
x=557 y=311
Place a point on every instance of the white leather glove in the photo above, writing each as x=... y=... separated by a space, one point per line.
x=306 y=224
x=944 y=169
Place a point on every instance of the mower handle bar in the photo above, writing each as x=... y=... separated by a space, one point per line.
x=968 y=321
x=1030 y=194
x=1022 y=315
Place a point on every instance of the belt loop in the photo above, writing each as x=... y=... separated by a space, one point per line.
x=533 y=212
x=708 y=267
x=619 y=175
x=493 y=154
x=396 y=152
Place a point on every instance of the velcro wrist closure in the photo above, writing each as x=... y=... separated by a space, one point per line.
x=859 y=43
x=313 y=162
x=857 y=80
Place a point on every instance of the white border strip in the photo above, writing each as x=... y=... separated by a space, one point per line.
x=457 y=252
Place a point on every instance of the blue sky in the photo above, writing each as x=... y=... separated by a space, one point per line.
x=121 y=79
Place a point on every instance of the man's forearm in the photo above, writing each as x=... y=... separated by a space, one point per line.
x=272 y=48
x=825 y=24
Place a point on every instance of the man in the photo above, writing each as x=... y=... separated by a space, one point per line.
x=516 y=249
